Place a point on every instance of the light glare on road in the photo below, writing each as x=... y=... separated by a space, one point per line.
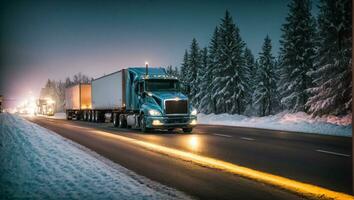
x=303 y=189
x=193 y=142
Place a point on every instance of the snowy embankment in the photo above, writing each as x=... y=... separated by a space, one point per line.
x=39 y=164
x=58 y=116
x=298 y=122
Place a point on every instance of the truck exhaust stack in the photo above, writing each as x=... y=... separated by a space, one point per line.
x=146 y=69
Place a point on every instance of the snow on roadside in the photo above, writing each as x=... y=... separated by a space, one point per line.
x=39 y=164
x=59 y=116
x=298 y=122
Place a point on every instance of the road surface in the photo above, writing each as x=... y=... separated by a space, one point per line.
x=319 y=160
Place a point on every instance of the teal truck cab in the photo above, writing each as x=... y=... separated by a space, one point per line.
x=158 y=100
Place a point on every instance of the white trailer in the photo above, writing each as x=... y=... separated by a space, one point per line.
x=108 y=92
x=108 y=95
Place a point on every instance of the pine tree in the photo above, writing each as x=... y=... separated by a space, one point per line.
x=250 y=65
x=332 y=93
x=194 y=63
x=176 y=72
x=211 y=106
x=266 y=88
x=68 y=82
x=204 y=76
x=61 y=95
x=169 y=70
x=183 y=75
x=230 y=82
x=297 y=55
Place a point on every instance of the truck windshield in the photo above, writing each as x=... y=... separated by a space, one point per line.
x=161 y=85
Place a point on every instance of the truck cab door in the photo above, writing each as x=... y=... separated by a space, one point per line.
x=140 y=91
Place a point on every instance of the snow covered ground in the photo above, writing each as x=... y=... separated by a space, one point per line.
x=299 y=122
x=39 y=164
x=58 y=116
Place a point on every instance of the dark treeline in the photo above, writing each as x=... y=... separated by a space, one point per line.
x=312 y=72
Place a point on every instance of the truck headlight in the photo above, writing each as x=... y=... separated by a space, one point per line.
x=194 y=112
x=154 y=112
x=193 y=122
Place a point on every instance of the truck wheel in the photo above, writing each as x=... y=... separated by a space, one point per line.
x=78 y=116
x=115 y=120
x=85 y=116
x=90 y=116
x=143 y=127
x=122 y=122
x=187 y=130
x=68 y=116
x=97 y=117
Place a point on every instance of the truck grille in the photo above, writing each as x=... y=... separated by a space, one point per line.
x=176 y=107
x=175 y=120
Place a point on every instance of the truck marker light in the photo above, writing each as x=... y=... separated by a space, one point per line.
x=194 y=112
x=156 y=123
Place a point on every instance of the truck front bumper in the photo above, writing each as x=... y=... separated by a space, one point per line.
x=171 y=122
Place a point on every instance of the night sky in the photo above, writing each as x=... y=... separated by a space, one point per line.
x=56 y=39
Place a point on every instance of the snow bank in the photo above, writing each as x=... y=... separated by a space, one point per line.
x=39 y=164
x=299 y=122
x=55 y=116
x=59 y=116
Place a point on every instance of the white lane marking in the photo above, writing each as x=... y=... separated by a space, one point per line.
x=247 y=138
x=333 y=153
x=222 y=135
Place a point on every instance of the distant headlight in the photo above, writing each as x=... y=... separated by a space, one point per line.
x=194 y=112
x=153 y=112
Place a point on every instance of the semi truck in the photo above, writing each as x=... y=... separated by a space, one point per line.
x=137 y=97
x=45 y=106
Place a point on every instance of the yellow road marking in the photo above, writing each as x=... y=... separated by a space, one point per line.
x=302 y=189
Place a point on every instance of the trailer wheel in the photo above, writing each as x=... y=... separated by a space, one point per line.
x=115 y=119
x=85 y=116
x=97 y=117
x=122 y=122
x=90 y=116
x=143 y=127
x=78 y=116
x=68 y=116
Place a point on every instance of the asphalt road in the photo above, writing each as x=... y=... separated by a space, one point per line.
x=320 y=160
